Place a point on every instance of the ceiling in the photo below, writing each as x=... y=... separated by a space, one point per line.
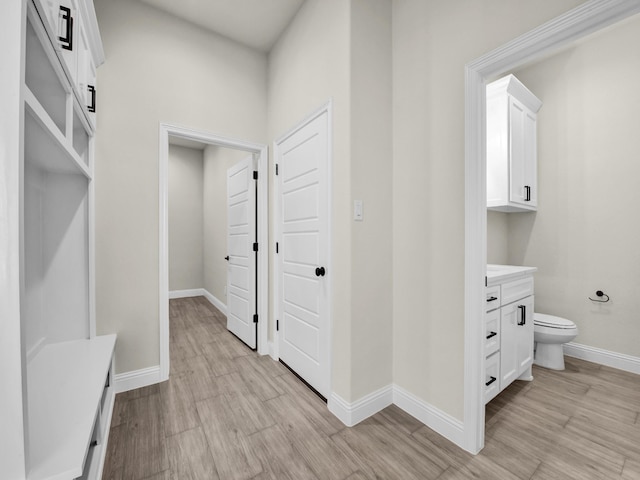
x=254 y=23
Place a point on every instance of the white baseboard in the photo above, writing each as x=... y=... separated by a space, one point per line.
x=137 y=379
x=434 y=418
x=199 y=292
x=215 y=302
x=620 y=361
x=353 y=413
x=194 y=292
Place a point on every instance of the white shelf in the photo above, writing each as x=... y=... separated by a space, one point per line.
x=45 y=145
x=65 y=384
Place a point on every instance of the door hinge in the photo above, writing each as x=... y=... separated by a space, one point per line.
x=255 y=175
x=276 y=169
x=277 y=248
x=255 y=247
x=255 y=318
x=277 y=325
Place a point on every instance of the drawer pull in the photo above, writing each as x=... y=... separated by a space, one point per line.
x=92 y=91
x=493 y=379
x=523 y=314
x=65 y=16
x=491 y=299
x=491 y=334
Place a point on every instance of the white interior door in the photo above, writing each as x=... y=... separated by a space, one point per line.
x=303 y=337
x=241 y=235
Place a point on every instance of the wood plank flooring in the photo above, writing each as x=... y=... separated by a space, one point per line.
x=227 y=413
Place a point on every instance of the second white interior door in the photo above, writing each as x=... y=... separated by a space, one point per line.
x=241 y=235
x=302 y=159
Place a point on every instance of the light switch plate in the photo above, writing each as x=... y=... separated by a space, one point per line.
x=357 y=210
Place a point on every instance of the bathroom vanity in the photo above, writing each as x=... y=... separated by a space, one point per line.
x=508 y=327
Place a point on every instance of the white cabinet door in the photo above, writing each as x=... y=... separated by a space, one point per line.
x=241 y=234
x=509 y=318
x=67 y=30
x=516 y=345
x=524 y=337
x=522 y=165
x=511 y=146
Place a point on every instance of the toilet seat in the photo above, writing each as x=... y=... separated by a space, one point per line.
x=551 y=321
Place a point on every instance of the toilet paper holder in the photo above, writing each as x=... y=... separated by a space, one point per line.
x=600 y=294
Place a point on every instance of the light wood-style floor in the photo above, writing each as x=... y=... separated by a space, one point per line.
x=227 y=413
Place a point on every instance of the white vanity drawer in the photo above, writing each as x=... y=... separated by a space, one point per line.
x=493 y=297
x=515 y=290
x=491 y=377
x=492 y=332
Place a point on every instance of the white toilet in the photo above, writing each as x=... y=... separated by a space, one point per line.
x=549 y=334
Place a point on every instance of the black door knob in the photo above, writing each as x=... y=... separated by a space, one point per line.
x=227 y=258
x=320 y=272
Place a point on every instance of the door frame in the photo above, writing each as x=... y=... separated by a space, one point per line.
x=543 y=40
x=261 y=152
x=274 y=350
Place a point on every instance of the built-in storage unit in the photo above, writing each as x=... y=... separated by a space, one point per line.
x=508 y=327
x=66 y=369
x=511 y=146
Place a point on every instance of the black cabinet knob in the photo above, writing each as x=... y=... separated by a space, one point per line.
x=227 y=258
x=320 y=272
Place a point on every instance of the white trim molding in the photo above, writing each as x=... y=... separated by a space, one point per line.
x=353 y=413
x=194 y=292
x=628 y=363
x=137 y=379
x=434 y=418
x=575 y=24
x=199 y=292
x=219 y=304
x=261 y=152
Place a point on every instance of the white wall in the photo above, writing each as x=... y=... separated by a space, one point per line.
x=585 y=234
x=217 y=161
x=158 y=69
x=342 y=51
x=498 y=237
x=432 y=41
x=186 y=216
x=371 y=179
x=308 y=66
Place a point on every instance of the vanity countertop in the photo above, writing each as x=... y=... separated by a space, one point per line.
x=502 y=273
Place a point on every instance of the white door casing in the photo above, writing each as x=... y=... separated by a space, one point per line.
x=241 y=265
x=302 y=187
x=573 y=25
x=161 y=372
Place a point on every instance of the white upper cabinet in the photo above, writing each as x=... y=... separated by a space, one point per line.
x=511 y=146
x=73 y=31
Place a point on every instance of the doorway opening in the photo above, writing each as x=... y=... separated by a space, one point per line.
x=246 y=212
x=544 y=40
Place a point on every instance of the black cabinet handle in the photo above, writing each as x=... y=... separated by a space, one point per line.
x=92 y=106
x=227 y=258
x=67 y=40
x=523 y=314
x=493 y=379
x=491 y=299
x=491 y=334
x=527 y=190
x=320 y=272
